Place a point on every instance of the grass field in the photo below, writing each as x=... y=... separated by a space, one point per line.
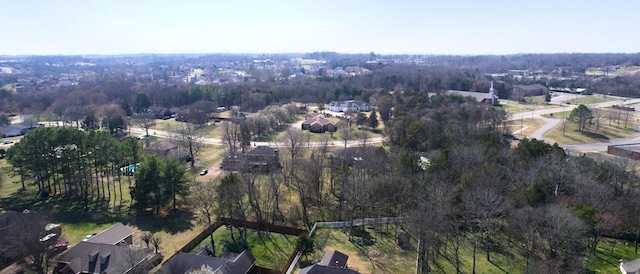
x=525 y=127
x=272 y=250
x=611 y=73
x=591 y=99
x=609 y=252
x=393 y=259
x=571 y=134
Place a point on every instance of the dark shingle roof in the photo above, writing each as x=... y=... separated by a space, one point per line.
x=262 y=150
x=102 y=258
x=227 y=263
x=113 y=235
x=334 y=258
x=333 y=262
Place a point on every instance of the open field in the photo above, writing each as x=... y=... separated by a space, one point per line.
x=272 y=250
x=571 y=134
x=612 y=73
x=525 y=127
x=393 y=259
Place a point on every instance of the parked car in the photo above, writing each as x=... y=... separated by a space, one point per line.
x=204 y=172
x=86 y=238
x=7 y=142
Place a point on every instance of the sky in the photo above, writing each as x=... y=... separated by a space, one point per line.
x=450 y=27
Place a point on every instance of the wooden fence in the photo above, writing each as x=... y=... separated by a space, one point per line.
x=241 y=223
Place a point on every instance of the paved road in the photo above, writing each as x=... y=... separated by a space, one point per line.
x=551 y=123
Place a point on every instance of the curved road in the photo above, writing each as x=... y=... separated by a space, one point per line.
x=550 y=123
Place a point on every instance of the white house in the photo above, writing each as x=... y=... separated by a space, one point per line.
x=351 y=105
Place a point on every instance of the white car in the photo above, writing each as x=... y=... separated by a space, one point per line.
x=86 y=238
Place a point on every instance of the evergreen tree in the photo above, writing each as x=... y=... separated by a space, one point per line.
x=373 y=119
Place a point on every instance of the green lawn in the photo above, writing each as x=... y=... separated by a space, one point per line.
x=592 y=99
x=272 y=250
x=571 y=134
x=392 y=259
x=608 y=254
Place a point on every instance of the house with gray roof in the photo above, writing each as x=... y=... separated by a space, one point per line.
x=88 y=257
x=351 y=105
x=333 y=262
x=110 y=251
x=227 y=263
x=115 y=235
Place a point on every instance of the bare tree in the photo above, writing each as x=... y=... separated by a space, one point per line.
x=231 y=136
x=134 y=260
x=30 y=235
x=144 y=121
x=204 y=199
x=156 y=241
x=190 y=137
x=345 y=131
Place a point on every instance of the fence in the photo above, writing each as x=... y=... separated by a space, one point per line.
x=197 y=240
x=241 y=223
x=357 y=222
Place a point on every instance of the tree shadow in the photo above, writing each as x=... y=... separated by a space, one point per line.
x=172 y=223
x=595 y=135
x=360 y=236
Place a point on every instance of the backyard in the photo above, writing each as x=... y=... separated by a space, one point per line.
x=272 y=250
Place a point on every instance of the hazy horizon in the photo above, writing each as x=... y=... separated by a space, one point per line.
x=296 y=27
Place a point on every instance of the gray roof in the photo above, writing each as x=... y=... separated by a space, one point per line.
x=323 y=269
x=631 y=266
x=114 y=235
x=262 y=150
x=334 y=258
x=530 y=87
x=228 y=263
x=479 y=96
x=102 y=258
x=333 y=262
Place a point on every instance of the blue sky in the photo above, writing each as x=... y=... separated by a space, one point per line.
x=466 y=27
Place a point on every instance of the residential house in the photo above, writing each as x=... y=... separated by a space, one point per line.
x=333 y=262
x=521 y=91
x=115 y=235
x=165 y=149
x=322 y=125
x=259 y=159
x=302 y=107
x=630 y=267
x=310 y=118
x=227 y=263
x=159 y=112
x=110 y=251
x=88 y=257
x=316 y=122
x=351 y=105
x=233 y=162
x=18 y=129
x=262 y=159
